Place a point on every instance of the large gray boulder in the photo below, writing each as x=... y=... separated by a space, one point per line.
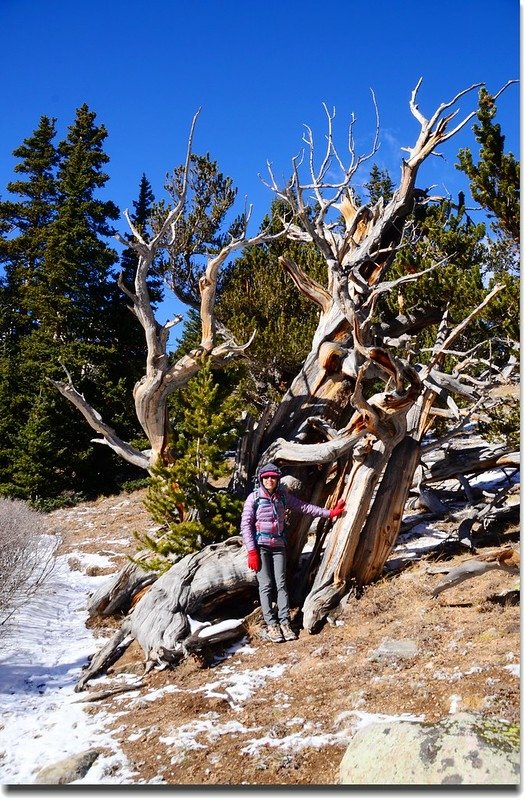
x=462 y=749
x=69 y=769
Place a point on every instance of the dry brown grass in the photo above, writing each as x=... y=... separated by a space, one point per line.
x=464 y=647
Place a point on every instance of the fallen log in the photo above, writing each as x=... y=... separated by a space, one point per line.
x=194 y=587
x=117 y=594
x=170 y=620
x=107 y=656
x=94 y=697
x=463 y=458
x=507 y=560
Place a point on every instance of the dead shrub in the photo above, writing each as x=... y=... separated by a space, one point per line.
x=26 y=555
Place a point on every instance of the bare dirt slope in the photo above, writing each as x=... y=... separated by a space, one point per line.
x=277 y=714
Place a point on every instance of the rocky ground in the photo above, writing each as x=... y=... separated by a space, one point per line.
x=283 y=714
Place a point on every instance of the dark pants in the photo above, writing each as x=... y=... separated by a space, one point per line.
x=272 y=585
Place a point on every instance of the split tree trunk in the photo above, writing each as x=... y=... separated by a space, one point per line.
x=328 y=433
x=326 y=403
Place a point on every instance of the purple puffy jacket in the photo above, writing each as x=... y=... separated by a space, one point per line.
x=262 y=521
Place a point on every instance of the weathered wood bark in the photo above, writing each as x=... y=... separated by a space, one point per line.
x=173 y=617
x=161 y=377
x=107 y=655
x=507 y=560
x=194 y=587
x=116 y=595
x=375 y=492
x=379 y=534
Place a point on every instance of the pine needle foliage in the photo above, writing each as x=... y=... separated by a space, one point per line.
x=60 y=305
x=201 y=230
x=495 y=185
x=495 y=179
x=257 y=294
x=186 y=497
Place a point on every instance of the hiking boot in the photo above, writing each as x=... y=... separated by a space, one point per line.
x=288 y=633
x=273 y=633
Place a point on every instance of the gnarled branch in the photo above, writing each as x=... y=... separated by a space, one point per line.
x=109 y=437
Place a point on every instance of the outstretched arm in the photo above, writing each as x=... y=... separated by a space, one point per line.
x=297 y=504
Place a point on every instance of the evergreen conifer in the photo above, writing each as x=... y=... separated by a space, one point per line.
x=65 y=309
x=257 y=294
x=188 y=498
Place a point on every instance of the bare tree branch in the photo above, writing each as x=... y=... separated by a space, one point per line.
x=440 y=349
x=95 y=421
x=307 y=285
x=507 y=560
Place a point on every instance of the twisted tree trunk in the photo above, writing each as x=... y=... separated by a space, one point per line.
x=331 y=434
x=324 y=418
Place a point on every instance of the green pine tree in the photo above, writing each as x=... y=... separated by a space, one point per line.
x=441 y=233
x=379 y=185
x=24 y=225
x=495 y=185
x=257 y=294
x=188 y=498
x=69 y=311
x=202 y=229
x=495 y=179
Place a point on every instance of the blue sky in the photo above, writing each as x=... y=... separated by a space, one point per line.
x=258 y=70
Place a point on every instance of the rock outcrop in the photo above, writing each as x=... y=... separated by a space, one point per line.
x=462 y=749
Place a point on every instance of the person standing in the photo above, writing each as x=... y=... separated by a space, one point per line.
x=262 y=530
